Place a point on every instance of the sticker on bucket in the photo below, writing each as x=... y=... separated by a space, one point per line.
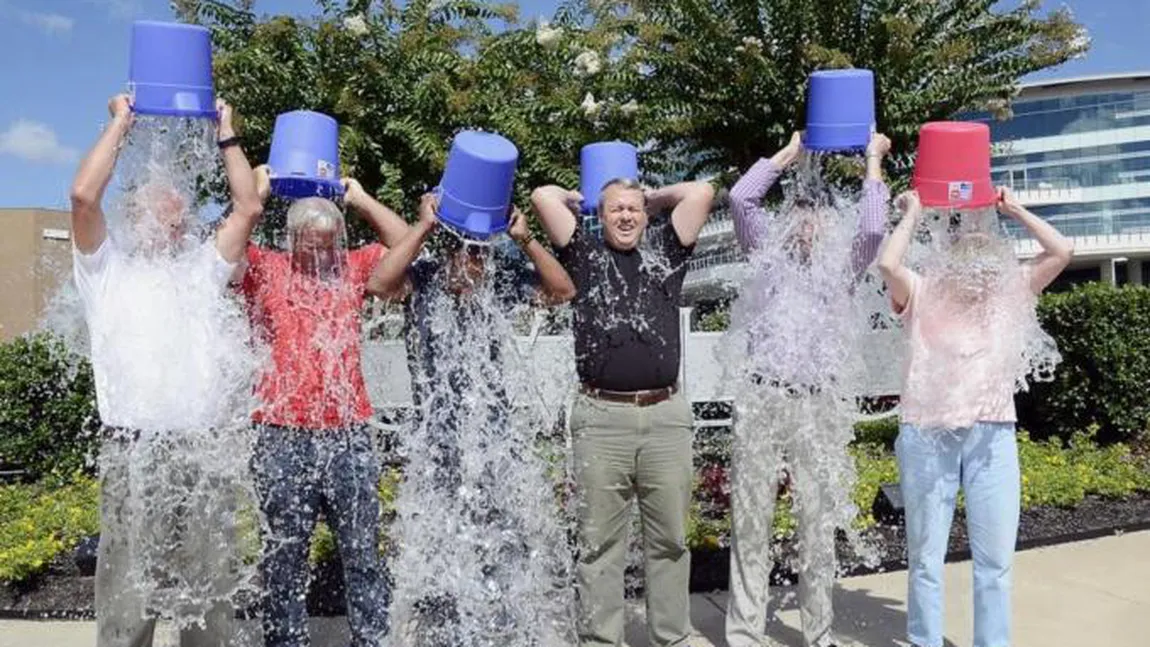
x=960 y=191
x=324 y=170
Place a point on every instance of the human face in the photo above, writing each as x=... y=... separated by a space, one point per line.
x=468 y=265
x=317 y=252
x=624 y=217
x=158 y=215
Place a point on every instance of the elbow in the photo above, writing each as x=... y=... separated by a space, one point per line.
x=83 y=197
x=705 y=191
x=564 y=294
x=887 y=266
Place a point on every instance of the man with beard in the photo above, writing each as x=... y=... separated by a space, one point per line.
x=972 y=339
x=792 y=333
x=315 y=450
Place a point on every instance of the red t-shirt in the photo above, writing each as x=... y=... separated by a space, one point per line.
x=313 y=330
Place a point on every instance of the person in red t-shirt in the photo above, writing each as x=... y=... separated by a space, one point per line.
x=315 y=451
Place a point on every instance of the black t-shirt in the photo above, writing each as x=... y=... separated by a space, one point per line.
x=627 y=309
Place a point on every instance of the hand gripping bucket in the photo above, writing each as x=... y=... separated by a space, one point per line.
x=952 y=169
x=602 y=162
x=170 y=71
x=475 y=191
x=840 y=110
x=304 y=157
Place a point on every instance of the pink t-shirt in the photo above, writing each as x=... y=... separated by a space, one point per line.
x=963 y=359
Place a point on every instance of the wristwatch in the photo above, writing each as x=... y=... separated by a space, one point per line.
x=230 y=141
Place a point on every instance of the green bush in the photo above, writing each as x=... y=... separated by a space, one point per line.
x=48 y=419
x=1102 y=381
x=39 y=522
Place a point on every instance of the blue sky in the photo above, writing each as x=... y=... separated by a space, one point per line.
x=64 y=58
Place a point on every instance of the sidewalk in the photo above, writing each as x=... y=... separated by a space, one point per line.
x=1094 y=593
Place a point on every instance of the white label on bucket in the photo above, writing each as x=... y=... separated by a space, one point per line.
x=324 y=169
x=960 y=191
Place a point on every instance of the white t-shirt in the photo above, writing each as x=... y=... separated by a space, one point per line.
x=167 y=340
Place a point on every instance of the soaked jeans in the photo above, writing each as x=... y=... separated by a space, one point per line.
x=300 y=472
x=983 y=460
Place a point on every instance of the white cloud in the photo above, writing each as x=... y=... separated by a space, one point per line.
x=35 y=142
x=119 y=8
x=52 y=24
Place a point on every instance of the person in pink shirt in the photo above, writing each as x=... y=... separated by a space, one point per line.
x=972 y=339
x=791 y=339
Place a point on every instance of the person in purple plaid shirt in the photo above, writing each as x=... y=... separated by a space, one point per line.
x=790 y=404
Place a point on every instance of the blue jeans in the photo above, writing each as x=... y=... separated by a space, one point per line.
x=983 y=460
x=300 y=472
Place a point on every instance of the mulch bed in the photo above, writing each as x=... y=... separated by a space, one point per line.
x=63 y=592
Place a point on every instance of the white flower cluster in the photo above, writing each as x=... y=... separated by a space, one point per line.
x=546 y=35
x=588 y=64
x=749 y=43
x=355 y=24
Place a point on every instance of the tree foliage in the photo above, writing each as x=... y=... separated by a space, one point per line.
x=703 y=86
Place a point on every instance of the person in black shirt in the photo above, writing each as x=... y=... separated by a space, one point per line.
x=632 y=427
x=468 y=527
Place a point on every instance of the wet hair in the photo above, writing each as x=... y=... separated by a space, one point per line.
x=316 y=214
x=622 y=183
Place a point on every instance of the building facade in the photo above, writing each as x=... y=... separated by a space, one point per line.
x=35 y=259
x=1077 y=153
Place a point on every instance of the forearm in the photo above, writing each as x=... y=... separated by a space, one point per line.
x=388 y=225
x=1049 y=238
x=96 y=169
x=746 y=202
x=556 y=217
x=554 y=281
x=390 y=274
x=873 y=213
x=669 y=197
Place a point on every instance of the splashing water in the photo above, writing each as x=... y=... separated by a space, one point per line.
x=174 y=367
x=483 y=557
x=979 y=336
x=792 y=354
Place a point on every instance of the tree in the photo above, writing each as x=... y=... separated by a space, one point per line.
x=729 y=76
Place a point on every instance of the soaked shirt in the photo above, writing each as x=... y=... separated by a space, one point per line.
x=626 y=310
x=963 y=361
x=312 y=327
x=164 y=336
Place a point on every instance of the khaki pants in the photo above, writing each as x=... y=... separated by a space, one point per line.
x=622 y=451
x=121 y=608
x=802 y=433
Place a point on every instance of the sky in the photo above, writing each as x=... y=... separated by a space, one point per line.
x=65 y=58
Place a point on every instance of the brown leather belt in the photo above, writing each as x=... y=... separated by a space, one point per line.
x=644 y=398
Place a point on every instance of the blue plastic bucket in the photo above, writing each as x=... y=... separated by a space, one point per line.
x=602 y=162
x=840 y=110
x=304 y=157
x=170 y=72
x=475 y=192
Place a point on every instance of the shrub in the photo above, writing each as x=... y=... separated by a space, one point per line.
x=48 y=419
x=1101 y=333
x=39 y=522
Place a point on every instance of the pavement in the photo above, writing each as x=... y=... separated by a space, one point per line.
x=1091 y=594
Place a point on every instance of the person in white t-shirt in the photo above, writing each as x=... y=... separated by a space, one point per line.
x=157 y=364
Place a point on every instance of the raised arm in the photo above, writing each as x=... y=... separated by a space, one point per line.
x=746 y=197
x=690 y=204
x=389 y=278
x=555 y=285
x=388 y=225
x=1057 y=249
x=247 y=205
x=93 y=176
x=897 y=276
x=872 y=207
x=557 y=208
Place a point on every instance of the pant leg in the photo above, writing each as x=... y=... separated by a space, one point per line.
x=605 y=443
x=351 y=502
x=120 y=612
x=929 y=465
x=814 y=509
x=755 y=463
x=664 y=480
x=991 y=481
x=286 y=484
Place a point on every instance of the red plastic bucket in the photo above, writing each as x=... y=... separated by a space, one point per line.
x=952 y=169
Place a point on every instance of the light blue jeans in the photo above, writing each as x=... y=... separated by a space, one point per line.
x=983 y=460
